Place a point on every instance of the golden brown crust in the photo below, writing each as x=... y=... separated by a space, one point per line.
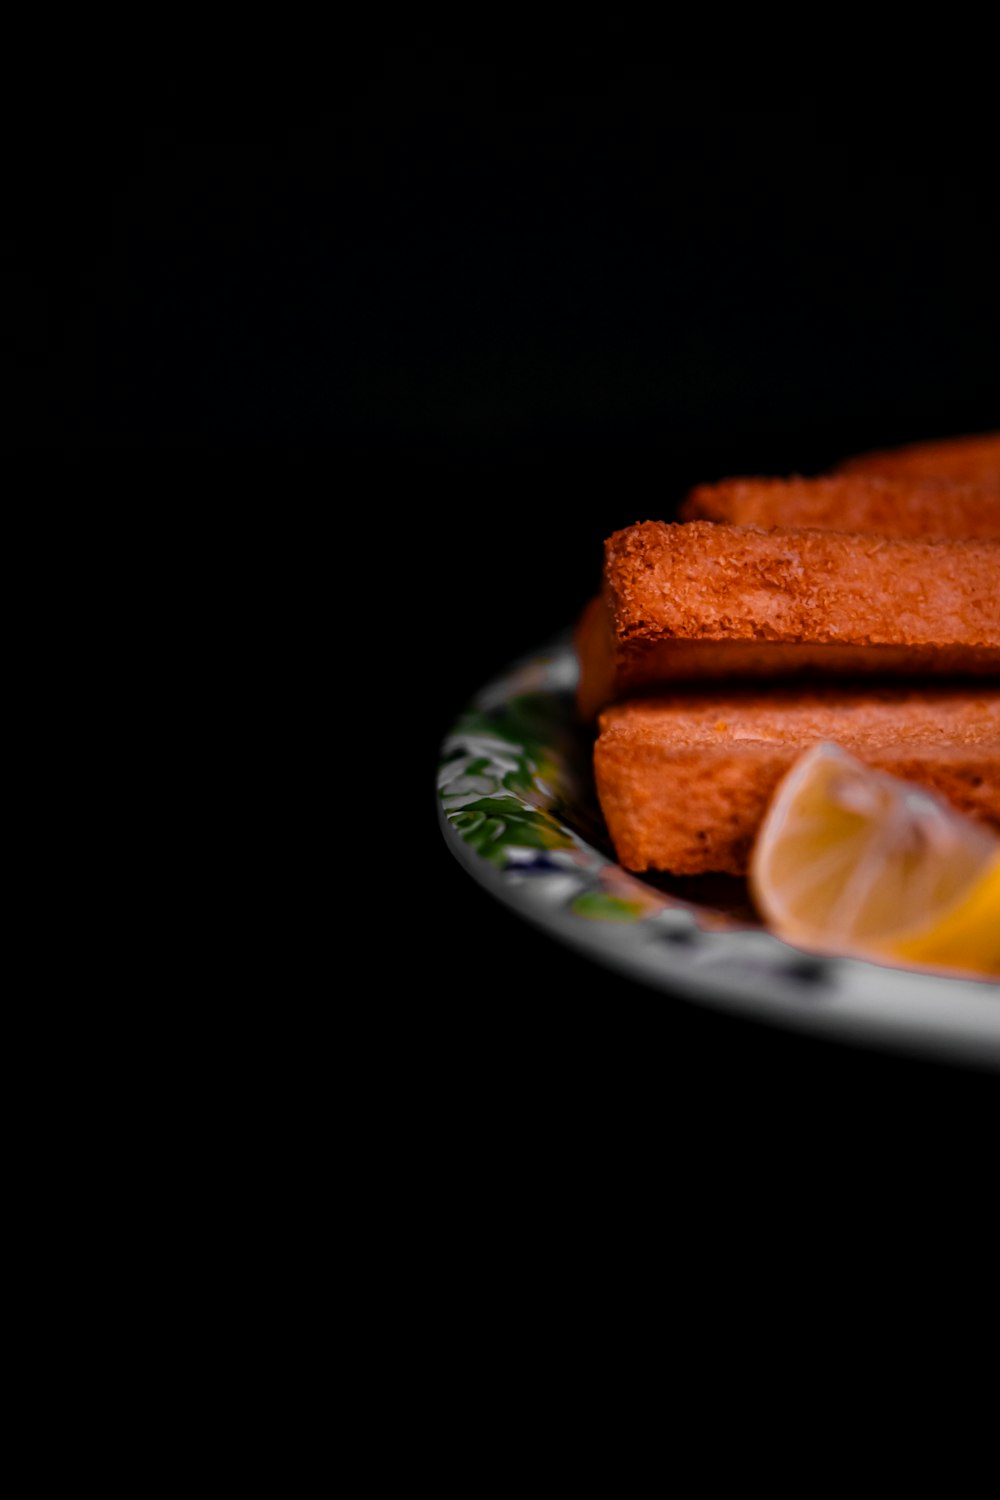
x=595 y=653
x=608 y=673
x=699 y=601
x=684 y=780
x=699 y=581
x=972 y=457
x=900 y=506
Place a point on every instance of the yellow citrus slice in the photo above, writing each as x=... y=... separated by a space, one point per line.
x=850 y=859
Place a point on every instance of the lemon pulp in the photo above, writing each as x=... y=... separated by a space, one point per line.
x=853 y=859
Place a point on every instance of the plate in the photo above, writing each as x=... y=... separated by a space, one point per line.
x=519 y=811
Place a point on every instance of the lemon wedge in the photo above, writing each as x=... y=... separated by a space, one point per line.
x=853 y=860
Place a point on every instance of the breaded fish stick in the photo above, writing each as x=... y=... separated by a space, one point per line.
x=697 y=600
x=684 y=781
x=972 y=458
x=851 y=502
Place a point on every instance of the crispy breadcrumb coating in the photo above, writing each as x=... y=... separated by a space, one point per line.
x=698 y=600
x=684 y=780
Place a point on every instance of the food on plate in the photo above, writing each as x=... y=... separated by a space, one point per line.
x=850 y=859
x=895 y=506
x=798 y=681
x=972 y=457
x=699 y=600
x=685 y=779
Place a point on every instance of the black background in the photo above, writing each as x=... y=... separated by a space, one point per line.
x=429 y=355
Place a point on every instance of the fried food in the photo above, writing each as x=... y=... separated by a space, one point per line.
x=700 y=600
x=899 y=506
x=972 y=458
x=684 y=780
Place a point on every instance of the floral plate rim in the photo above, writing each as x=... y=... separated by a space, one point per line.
x=517 y=811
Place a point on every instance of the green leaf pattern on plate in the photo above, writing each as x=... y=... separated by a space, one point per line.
x=515 y=783
x=519 y=808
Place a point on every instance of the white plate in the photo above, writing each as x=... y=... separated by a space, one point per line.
x=518 y=810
